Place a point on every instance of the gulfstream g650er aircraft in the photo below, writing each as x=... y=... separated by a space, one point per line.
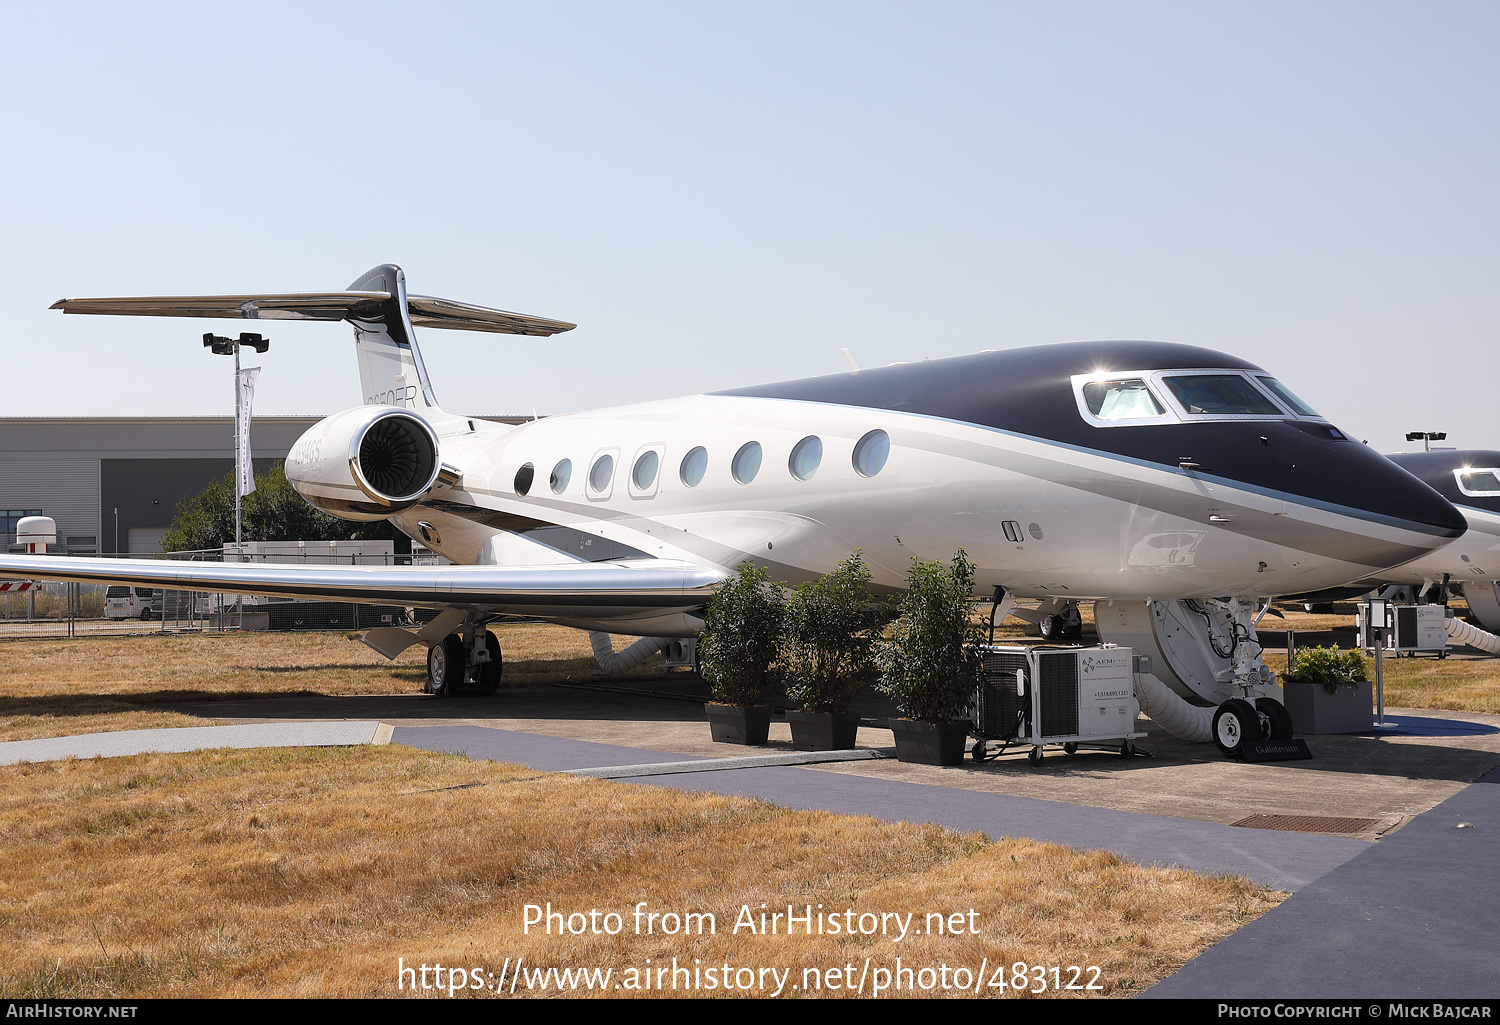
x=1175 y=486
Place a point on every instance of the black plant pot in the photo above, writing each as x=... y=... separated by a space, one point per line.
x=929 y=743
x=823 y=731
x=739 y=724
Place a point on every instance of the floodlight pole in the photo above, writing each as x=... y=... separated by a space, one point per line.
x=238 y=470
x=1426 y=438
x=222 y=346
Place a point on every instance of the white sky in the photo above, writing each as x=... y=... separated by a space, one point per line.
x=722 y=194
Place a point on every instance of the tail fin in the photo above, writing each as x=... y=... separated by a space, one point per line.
x=377 y=305
x=391 y=372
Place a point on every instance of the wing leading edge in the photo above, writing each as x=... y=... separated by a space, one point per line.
x=627 y=589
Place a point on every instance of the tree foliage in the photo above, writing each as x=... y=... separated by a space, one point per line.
x=740 y=650
x=272 y=512
x=831 y=627
x=932 y=661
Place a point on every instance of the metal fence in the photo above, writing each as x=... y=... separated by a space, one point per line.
x=51 y=610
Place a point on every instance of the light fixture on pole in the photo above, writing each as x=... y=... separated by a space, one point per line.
x=1426 y=437
x=244 y=395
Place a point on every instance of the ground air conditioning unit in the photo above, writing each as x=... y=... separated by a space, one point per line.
x=1055 y=695
x=1408 y=628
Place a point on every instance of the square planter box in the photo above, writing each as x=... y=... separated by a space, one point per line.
x=823 y=731
x=1314 y=710
x=739 y=724
x=930 y=743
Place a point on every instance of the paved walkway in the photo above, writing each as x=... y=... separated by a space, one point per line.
x=1286 y=861
x=1415 y=915
x=193 y=738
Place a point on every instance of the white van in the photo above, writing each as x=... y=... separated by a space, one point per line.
x=121 y=602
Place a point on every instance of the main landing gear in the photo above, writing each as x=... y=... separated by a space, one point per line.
x=1065 y=625
x=468 y=660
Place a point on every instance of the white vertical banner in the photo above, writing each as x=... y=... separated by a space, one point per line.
x=244 y=398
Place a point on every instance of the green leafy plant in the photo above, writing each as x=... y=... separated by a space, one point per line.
x=831 y=627
x=1329 y=667
x=931 y=663
x=740 y=650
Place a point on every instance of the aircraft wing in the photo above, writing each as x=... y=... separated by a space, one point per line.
x=624 y=589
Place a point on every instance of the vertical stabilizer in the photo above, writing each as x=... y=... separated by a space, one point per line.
x=391 y=372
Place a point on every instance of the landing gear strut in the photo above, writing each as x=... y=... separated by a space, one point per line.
x=466 y=660
x=1207 y=652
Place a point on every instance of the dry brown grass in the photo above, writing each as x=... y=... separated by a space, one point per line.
x=310 y=872
x=1294 y=619
x=52 y=687
x=1452 y=684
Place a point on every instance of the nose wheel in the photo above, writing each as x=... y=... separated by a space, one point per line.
x=1238 y=721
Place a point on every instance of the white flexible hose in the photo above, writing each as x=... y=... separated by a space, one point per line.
x=1167 y=709
x=612 y=661
x=1466 y=633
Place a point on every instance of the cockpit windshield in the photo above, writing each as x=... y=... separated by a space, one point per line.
x=1221 y=395
x=1154 y=397
x=1479 y=483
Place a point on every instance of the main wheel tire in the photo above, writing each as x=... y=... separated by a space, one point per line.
x=1235 y=722
x=1052 y=628
x=1277 y=715
x=446 y=661
x=491 y=671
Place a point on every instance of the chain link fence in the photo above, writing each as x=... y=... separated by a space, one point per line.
x=43 y=609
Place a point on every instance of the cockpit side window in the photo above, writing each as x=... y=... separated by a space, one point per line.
x=1121 y=400
x=1284 y=393
x=1220 y=395
x=1479 y=483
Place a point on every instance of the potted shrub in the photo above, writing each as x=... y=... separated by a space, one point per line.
x=1328 y=691
x=831 y=627
x=739 y=655
x=931 y=664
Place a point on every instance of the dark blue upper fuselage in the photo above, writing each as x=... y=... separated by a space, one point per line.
x=1435 y=469
x=1029 y=392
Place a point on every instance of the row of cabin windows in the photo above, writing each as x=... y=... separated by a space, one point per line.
x=868 y=459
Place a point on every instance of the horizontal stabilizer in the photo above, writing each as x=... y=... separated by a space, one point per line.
x=424 y=311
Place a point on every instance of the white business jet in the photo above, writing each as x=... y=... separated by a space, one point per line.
x=1470 y=566
x=1176 y=487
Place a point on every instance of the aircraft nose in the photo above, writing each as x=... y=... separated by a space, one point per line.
x=1366 y=482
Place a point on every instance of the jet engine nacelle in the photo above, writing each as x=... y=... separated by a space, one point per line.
x=368 y=463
